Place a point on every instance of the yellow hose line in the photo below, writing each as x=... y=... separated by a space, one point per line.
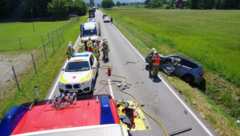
x=106 y=67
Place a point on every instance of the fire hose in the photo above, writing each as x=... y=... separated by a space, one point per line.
x=110 y=67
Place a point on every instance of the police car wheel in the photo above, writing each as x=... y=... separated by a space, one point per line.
x=92 y=87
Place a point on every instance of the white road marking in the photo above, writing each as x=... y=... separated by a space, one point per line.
x=194 y=116
x=56 y=83
x=110 y=87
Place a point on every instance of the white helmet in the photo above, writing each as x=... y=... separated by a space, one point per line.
x=70 y=45
x=70 y=42
x=153 y=49
x=104 y=39
x=155 y=52
x=94 y=45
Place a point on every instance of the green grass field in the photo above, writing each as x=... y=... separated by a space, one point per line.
x=10 y=33
x=209 y=37
x=47 y=71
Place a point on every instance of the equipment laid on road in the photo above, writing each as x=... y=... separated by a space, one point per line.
x=106 y=67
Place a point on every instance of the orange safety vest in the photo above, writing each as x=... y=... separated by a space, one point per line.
x=157 y=59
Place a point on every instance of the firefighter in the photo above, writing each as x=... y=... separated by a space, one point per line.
x=156 y=63
x=96 y=52
x=150 y=59
x=105 y=49
x=89 y=44
x=81 y=48
x=71 y=48
x=69 y=52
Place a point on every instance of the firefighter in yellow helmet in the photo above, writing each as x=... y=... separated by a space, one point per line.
x=96 y=52
x=105 y=49
x=90 y=45
x=69 y=52
x=81 y=48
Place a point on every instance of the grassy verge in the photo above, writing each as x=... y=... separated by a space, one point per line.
x=47 y=72
x=198 y=38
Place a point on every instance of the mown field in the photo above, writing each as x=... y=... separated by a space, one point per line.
x=11 y=32
x=47 y=71
x=209 y=37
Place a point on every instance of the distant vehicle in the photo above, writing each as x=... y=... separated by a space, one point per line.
x=91 y=20
x=106 y=19
x=79 y=75
x=189 y=71
x=90 y=30
x=91 y=13
x=94 y=8
x=104 y=15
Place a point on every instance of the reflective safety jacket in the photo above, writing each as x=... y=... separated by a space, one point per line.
x=90 y=44
x=80 y=50
x=81 y=44
x=156 y=59
x=95 y=51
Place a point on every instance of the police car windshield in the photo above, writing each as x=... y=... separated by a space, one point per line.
x=89 y=32
x=77 y=66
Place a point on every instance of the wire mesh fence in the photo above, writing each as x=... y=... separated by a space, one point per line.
x=32 y=42
x=24 y=70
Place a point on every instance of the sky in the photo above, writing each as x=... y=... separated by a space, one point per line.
x=115 y=1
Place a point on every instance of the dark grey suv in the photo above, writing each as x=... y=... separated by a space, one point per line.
x=189 y=71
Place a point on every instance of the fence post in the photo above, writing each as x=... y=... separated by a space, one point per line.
x=48 y=35
x=34 y=63
x=58 y=40
x=52 y=34
x=57 y=30
x=62 y=37
x=53 y=45
x=16 y=78
x=44 y=47
x=20 y=42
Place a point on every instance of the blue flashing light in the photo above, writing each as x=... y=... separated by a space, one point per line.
x=11 y=120
x=82 y=55
x=106 y=112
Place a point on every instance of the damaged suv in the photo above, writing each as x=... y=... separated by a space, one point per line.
x=189 y=71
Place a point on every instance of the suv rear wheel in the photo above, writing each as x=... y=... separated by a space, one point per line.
x=188 y=78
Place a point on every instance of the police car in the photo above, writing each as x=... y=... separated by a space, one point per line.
x=80 y=74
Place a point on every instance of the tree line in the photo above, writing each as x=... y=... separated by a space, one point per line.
x=17 y=9
x=194 y=4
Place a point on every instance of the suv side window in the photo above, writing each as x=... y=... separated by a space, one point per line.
x=91 y=60
x=188 y=64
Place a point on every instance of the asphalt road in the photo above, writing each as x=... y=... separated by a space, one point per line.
x=160 y=100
